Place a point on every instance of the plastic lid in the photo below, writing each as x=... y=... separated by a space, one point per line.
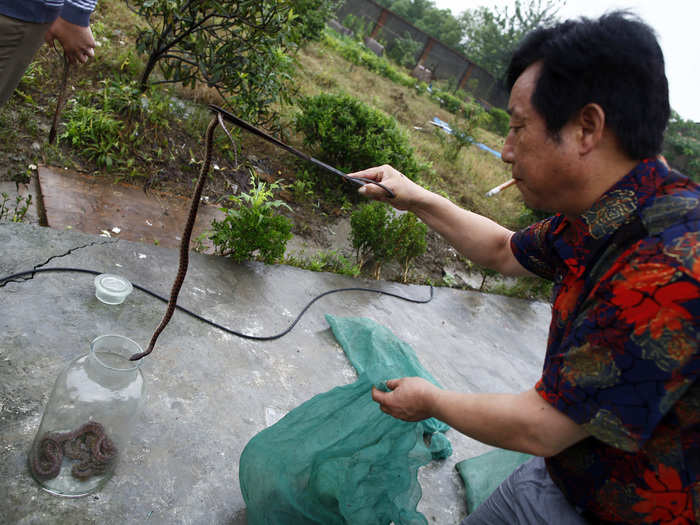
x=112 y=289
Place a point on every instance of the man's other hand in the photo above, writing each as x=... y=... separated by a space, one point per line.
x=410 y=398
x=77 y=41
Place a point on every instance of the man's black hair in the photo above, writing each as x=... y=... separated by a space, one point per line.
x=614 y=61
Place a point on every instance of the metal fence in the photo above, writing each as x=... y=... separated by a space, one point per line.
x=445 y=62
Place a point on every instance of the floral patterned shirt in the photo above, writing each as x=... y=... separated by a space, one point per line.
x=622 y=354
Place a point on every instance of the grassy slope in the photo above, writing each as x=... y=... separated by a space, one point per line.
x=161 y=152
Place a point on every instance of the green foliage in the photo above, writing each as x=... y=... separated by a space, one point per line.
x=238 y=47
x=377 y=233
x=527 y=288
x=407 y=237
x=497 y=121
x=682 y=146
x=327 y=261
x=252 y=228
x=95 y=132
x=404 y=50
x=527 y=217
x=439 y=23
x=447 y=101
x=369 y=224
x=352 y=135
x=463 y=130
x=492 y=34
x=14 y=212
x=356 y=53
x=359 y=26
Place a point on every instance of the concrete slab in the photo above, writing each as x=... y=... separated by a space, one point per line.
x=93 y=204
x=208 y=392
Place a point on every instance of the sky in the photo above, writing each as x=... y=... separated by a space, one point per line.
x=675 y=23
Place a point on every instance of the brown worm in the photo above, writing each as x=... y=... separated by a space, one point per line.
x=185 y=242
x=89 y=445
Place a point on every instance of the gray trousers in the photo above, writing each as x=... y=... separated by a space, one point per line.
x=19 y=42
x=527 y=496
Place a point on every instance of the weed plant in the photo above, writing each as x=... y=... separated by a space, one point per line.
x=14 y=212
x=252 y=229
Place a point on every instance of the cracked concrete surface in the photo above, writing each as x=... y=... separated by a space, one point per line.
x=208 y=392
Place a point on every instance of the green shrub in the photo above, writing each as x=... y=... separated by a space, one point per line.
x=357 y=54
x=351 y=135
x=447 y=101
x=96 y=133
x=407 y=237
x=498 y=122
x=404 y=50
x=463 y=130
x=377 y=233
x=682 y=146
x=369 y=225
x=252 y=229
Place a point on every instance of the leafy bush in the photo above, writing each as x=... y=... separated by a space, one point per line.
x=377 y=233
x=95 y=132
x=357 y=54
x=498 y=121
x=351 y=135
x=447 y=101
x=252 y=228
x=463 y=130
x=359 y=26
x=407 y=237
x=404 y=50
x=682 y=146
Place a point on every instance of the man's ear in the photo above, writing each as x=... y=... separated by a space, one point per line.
x=591 y=121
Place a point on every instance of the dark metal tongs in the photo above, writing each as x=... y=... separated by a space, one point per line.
x=249 y=127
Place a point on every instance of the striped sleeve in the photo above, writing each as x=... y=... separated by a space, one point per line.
x=78 y=11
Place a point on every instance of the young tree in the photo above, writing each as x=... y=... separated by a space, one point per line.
x=439 y=23
x=239 y=47
x=492 y=34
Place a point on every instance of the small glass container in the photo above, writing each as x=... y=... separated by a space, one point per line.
x=87 y=422
x=112 y=289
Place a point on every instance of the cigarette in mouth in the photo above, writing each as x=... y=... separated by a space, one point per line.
x=500 y=188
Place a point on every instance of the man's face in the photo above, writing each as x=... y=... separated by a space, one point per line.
x=542 y=165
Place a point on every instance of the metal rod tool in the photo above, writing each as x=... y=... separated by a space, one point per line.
x=249 y=127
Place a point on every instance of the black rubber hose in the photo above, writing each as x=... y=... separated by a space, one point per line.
x=11 y=278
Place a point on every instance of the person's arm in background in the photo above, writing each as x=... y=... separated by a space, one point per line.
x=72 y=30
x=476 y=237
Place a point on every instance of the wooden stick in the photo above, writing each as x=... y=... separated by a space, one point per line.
x=500 y=188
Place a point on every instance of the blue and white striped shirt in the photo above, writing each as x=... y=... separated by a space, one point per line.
x=42 y=11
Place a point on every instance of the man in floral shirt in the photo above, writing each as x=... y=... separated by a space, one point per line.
x=616 y=413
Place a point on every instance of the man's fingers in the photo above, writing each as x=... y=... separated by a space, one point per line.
x=392 y=383
x=377 y=395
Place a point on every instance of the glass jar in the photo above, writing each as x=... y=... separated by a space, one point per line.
x=87 y=421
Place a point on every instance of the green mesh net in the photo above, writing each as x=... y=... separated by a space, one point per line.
x=483 y=474
x=338 y=458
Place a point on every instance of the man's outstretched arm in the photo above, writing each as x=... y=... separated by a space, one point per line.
x=474 y=236
x=523 y=422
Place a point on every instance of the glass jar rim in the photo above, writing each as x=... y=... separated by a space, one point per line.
x=133 y=365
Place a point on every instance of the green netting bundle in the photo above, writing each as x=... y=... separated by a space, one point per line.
x=483 y=474
x=338 y=458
